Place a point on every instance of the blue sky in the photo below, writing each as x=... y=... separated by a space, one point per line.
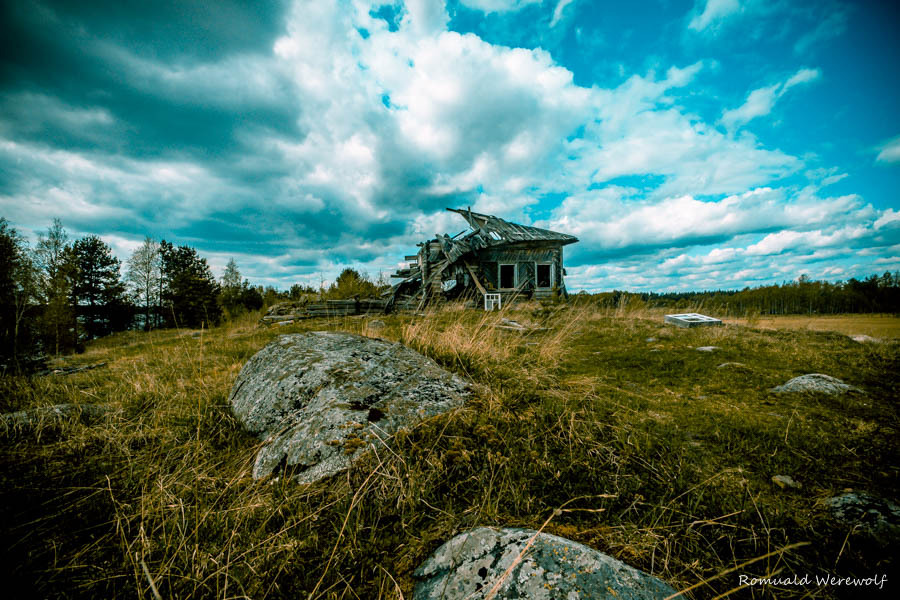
x=688 y=144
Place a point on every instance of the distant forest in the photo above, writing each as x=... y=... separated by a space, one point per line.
x=874 y=294
x=61 y=293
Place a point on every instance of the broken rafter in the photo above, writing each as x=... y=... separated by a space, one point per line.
x=475 y=279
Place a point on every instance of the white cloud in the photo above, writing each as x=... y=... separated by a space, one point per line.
x=398 y=124
x=889 y=151
x=761 y=101
x=425 y=17
x=498 y=6
x=801 y=76
x=888 y=217
x=714 y=13
x=558 y=11
x=611 y=219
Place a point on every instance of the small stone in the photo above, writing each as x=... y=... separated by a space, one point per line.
x=816 y=383
x=732 y=365
x=650 y=340
x=864 y=339
x=544 y=567
x=707 y=348
x=785 y=481
x=376 y=324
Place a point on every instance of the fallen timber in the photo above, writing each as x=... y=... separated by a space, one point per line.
x=287 y=312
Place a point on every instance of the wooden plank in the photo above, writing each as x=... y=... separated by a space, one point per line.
x=475 y=279
x=414 y=257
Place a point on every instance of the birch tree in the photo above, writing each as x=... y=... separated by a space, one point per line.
x=143 y=275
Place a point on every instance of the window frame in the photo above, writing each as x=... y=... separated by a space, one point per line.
x=515 y=270
x=552 y=275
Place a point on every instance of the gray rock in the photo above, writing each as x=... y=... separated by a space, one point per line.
x=472 y=563
x=707 y=348
x=320 y=400
x=864 y=339
x=873 y=515
x=376 y=324
x=817 y=383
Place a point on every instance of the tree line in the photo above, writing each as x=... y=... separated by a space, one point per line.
x=60 y=293
x=873 y=294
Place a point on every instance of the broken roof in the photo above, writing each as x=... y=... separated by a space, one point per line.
x=499 y=231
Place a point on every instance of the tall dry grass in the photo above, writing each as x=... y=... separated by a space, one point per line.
x=659 y=457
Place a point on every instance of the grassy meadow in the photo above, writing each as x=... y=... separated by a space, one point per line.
x=604 y=426
x=883 y=327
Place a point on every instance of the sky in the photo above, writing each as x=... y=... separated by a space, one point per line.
x=695 y=144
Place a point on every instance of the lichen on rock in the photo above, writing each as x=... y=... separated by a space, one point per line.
x=320 y=400
x=471 y=564
x=815 y=383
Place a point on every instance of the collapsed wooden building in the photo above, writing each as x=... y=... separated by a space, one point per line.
x=493 y=259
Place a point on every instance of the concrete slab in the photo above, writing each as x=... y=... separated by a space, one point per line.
x=691 y=320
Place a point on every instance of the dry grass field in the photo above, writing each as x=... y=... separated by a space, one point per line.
x=657 y=454
x=883 y=327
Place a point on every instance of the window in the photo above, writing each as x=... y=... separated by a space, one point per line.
x=507 y=276
x=544 y=276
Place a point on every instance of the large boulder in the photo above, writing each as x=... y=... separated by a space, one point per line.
x=319 y=400
x=471 y=564
x=815 y=383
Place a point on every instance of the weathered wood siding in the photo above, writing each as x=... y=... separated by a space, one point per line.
x=489 y=274
x=525 y=258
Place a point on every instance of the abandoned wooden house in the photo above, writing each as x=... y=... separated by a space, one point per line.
x=493 y=260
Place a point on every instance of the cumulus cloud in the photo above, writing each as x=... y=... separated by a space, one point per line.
x=615 y=221
x=341 y=139
x=761 y=101
x=760 y=237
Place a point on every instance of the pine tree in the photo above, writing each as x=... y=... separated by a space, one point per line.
x=190 y=292
x=18 y=294
x=96 y=289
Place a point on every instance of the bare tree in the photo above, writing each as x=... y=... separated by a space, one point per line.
x=232 y=277
x=53 y=257
x=143 y=275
